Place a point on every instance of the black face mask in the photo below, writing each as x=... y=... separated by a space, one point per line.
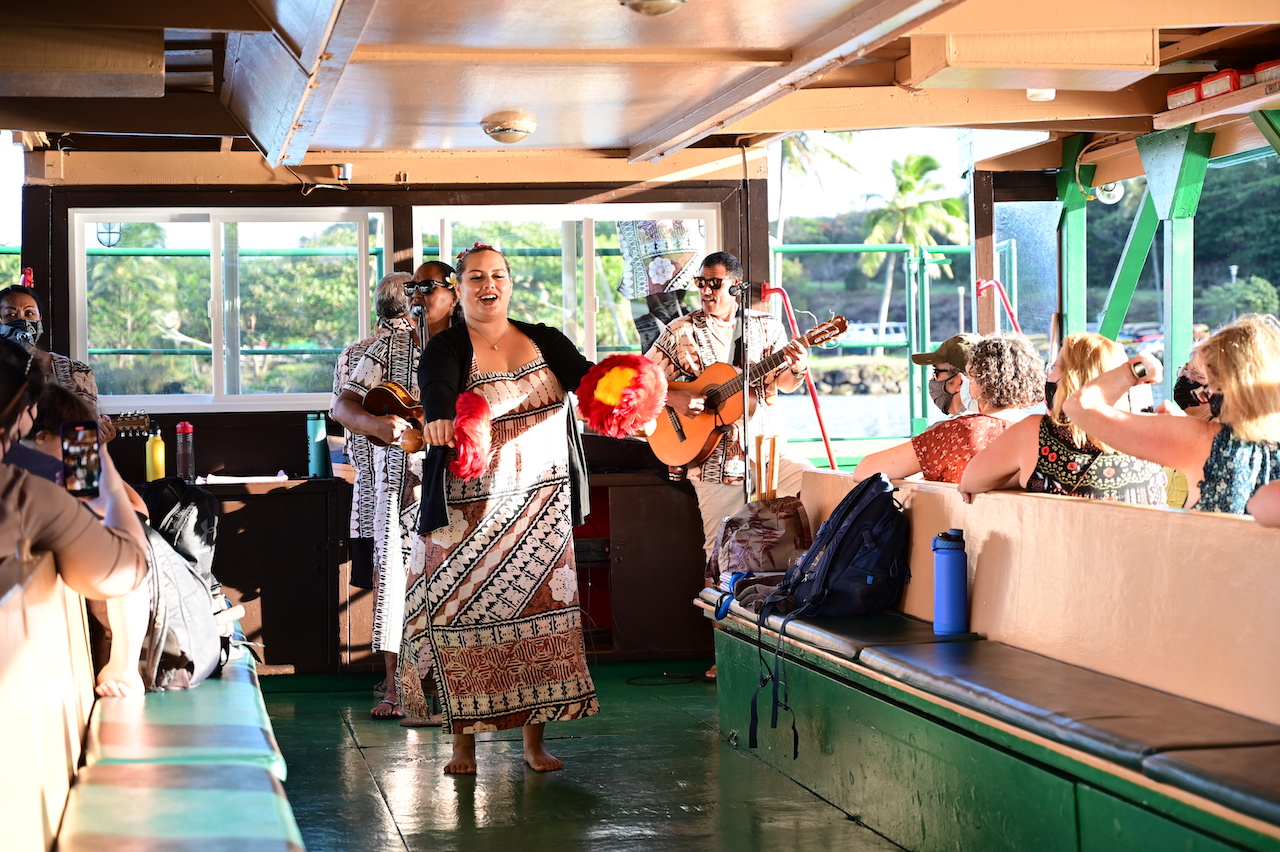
x=1050 y=388
x=22 y=331
x=1184 y=392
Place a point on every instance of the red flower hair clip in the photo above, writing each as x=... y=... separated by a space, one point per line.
x=478 y=246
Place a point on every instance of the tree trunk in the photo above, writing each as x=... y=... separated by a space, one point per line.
x=889 y=263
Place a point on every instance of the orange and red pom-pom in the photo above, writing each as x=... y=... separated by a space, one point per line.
x=472 y=436
x=621 y=394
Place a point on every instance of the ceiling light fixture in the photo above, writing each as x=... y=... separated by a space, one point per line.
x=1041 y=95
x=509 y=127
x=1109 y=193
x=652 y=8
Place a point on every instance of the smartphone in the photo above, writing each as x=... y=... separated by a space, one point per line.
x=81 y=459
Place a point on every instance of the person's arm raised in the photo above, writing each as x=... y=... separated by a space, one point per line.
x=1182 y=443
x=96 y=571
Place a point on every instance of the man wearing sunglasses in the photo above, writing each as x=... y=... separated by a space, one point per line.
x=430 y=299
x=948 y=384
x=689 y=345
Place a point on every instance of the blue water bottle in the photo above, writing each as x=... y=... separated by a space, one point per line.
x=950 y=584
x=318 y=446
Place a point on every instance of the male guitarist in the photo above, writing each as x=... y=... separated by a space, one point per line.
x=691 y=344
x=397 y=474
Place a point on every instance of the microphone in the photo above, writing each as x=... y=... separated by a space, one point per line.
x=736 y=290
x=417 y=312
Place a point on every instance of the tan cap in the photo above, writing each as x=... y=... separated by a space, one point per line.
x=954 y=351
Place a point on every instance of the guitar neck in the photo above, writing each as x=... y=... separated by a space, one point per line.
x=734 y=385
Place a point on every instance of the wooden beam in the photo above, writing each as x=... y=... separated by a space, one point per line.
x=977 y=16
x=58 y=62
x=1199 y=44
x=222 y=16
x=868 y=26
x=888 y=107
x=418 y=53
x=278 y=99
x=176 y=114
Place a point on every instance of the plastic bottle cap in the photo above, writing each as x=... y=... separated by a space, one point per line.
x=185 y=428
x=950 y=540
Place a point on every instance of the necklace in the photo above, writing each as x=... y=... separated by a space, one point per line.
x=491 y=343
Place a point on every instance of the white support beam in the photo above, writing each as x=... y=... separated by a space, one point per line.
x=279 y=97
x=62 y=62
x=891 y=106
x=978 y=16
x=868 y=26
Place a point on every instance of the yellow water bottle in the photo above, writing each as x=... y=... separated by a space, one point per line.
x=155 y=454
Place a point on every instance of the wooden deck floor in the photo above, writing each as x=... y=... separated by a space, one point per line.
x=650 y=772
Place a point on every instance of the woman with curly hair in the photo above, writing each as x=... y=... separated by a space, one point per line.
x=1053 y=455
x=1231 y=458
x=1005 y=375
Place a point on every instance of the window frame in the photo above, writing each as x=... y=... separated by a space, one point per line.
x=215 y=217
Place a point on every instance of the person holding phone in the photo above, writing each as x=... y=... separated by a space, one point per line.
x=98 y=558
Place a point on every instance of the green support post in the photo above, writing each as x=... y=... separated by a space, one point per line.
x=1268 y=121
x=1072 y=245
x=917 y=337
x=1175 y=162
x=1132 y=260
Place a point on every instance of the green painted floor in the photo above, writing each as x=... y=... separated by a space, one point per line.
x=650 y=772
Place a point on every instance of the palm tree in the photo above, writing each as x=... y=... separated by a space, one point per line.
x=910 y=216
x=803 y=154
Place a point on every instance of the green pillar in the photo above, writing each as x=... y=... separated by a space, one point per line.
x=1175 y=162
x=1072 y=246
x=1132 y=260
x=1268 y=121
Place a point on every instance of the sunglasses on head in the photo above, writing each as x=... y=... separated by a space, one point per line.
x=713 y=283
x=425 y=287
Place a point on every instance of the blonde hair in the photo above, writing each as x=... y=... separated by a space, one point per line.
x=1083 y=357
x=1242 y=360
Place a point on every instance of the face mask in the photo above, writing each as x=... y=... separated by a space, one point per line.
x=968 y=405
x=1184 y=392
x=940 y=396
x=1050 y=388
x=22 y=331
x=1215 y=405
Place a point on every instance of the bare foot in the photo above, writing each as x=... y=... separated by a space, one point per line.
x=541 y=760
x=463 y=761
x=387 y=709
x=535 y=753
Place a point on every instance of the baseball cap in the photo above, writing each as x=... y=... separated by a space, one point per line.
x=954 y=351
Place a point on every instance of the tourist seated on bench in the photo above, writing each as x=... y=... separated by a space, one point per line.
x=98 y=559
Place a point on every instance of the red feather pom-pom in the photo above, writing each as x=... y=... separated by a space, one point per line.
x=621 y=394
x=471 y=436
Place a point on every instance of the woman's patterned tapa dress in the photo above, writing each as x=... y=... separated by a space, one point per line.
x=493 y=597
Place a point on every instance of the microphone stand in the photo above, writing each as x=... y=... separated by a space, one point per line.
x=737 y=290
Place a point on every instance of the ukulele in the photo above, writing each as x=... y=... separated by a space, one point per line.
x=130 y=424
x=680 y=440
x=392 y=398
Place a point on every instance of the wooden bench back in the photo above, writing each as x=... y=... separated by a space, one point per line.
x=46 y=693
x=1179 y=601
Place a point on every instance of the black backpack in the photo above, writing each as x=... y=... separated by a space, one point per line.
x=857 y=565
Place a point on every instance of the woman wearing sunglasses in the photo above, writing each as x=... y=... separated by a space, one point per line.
x=1230 y=458
x=431 y=297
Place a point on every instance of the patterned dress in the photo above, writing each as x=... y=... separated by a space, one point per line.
x=397 y=485
x=1063 y=468
x=493 y=610
x=944 y=450
x=1234 y=470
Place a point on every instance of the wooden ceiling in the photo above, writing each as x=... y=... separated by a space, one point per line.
x=401 y=86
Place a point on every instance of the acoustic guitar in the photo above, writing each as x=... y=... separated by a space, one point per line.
x=392 y=398
x=130 y=424
x=680 y=440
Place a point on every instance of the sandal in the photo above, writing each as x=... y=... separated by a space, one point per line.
x=396 y=711
x=381 y=689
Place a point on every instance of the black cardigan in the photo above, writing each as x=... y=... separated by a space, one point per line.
x=442 y=375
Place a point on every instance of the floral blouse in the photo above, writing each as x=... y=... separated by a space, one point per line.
x=944 y=450
x=1063 y=468
x=1234 y=470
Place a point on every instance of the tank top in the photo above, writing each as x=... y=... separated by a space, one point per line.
x=1234 y=470
x=1064 y=468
